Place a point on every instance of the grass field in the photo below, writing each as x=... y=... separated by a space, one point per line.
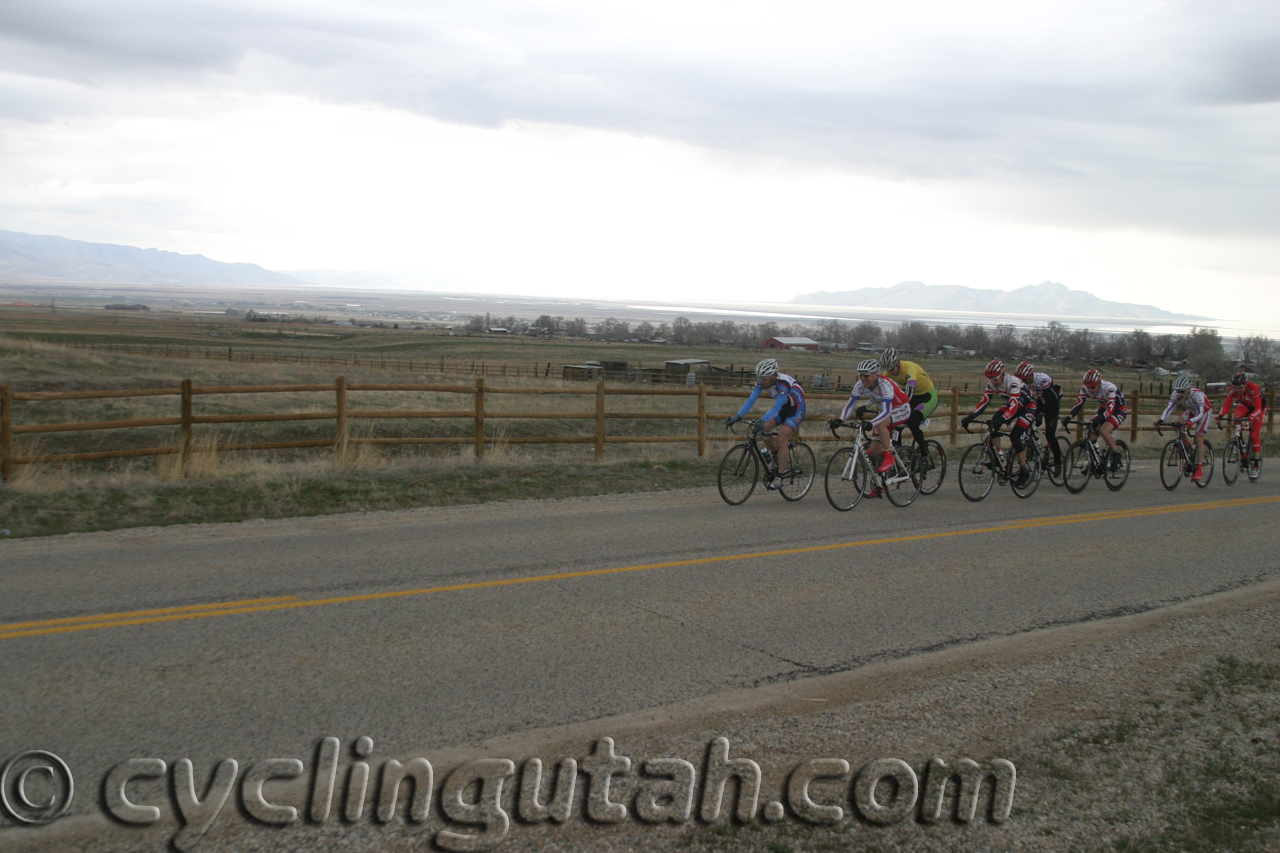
x=106 y=494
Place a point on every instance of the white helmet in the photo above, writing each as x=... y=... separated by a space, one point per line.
x=1182 y=383
x=869 y=366
x=768 y=367
x=889 y=358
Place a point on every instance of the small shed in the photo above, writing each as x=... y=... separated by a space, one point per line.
x=681 y=366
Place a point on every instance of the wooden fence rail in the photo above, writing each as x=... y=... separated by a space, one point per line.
x=342 y=441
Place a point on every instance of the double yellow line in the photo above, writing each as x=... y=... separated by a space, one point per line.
x=263 y=605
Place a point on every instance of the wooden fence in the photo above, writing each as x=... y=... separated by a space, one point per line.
x=342 y=414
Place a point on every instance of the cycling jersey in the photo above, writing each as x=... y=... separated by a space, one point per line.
x=1248 y=395
x=1249 y=403
x=1112 y=406
x=912 y=377
x=891 y=399
x=788 y=403
x=1042 y=386
x=1195 y=408
x=1017 y=396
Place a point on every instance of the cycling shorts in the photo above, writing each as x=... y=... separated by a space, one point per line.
x=929 y=402
x=1117 y=417
x=791 y=415
x=1200 y=422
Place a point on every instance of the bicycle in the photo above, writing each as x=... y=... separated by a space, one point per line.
x=1055 y=473
x=740 y=468
x=933 y=467
x=1235 y=456
x=1178 y=459
x=1084 y=461
x=982 y=466
x=851 y=475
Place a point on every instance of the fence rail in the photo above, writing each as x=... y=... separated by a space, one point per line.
x=478 y=412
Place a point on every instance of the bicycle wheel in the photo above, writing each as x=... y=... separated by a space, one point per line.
x=1116 y=479
x=1056 y=472
x=800 y=459
x=1232 y=461
x=739 y=471
x=933 y=467
x=1208 y=464
x=977 y=473
x=1033 y=466
x=1171 y=462
x=902 y=481
x=842 y=483
x=1077 y=467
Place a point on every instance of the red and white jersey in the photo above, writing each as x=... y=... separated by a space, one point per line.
x=1015 y=392
x=1041 y=385
x=1193 y=402
x=1248 y=395
x=884 y=393
x=1107 y=394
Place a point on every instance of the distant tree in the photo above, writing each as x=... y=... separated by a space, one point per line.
x=1140 y=345
x=866 y=332
x=1259 y=351
x=1205 y=355
x=767 y=330
x=664 y=331
x=914 y=337
x=830 y=330
x=1056 y=338
x=977 y=339
x=1080 y=345
x=476 y=324
x=949 y=336
x=612 y=329
x=546 y=321
x=682 y=330
x=1004 y=342
x=576 y=328
x=644 y=331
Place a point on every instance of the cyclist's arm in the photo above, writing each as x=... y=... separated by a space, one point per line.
x=776 y=409
x=848 y=407
x=1075 y=410
x=1168 y=410
x=982 y=404
x=751 y=401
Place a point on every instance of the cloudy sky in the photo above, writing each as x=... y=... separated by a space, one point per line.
x=700 y=150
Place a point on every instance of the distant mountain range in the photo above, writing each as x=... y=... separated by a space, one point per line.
x=1048 y=297
x=35 y=258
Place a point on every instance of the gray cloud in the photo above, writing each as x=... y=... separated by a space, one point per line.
x=1166 y=118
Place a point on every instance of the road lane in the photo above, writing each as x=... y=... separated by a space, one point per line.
x=430 y=671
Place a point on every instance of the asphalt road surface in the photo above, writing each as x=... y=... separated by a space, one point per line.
x=431 y=629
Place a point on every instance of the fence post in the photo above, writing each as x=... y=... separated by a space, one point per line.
x=6 y=434
x=955 y=415
x=599 y=421
x=702 y=420
x=1133 y=427
x=184 y=451
x=340 y=439
x=480 y=418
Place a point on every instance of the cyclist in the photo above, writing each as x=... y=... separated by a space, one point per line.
x=1196 y=410
x=1048 y=396
x=924 y=396
x=1019 y=409
x=891 y=400
x=786 y=414
x=1249 y=403
x=1112 y=410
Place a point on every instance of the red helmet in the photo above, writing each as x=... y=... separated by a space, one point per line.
x=1024 y=371
x=995 y=369
x=1092 y=377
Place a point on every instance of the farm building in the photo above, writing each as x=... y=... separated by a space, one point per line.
x=791 y=343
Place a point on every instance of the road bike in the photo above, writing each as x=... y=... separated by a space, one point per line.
x=1055 y=473
x=1178 y=459
x=851 y=472
x=933 y=466
x=1235 y=456
x=1089 y=458
x=982 y=466
x=740 y=469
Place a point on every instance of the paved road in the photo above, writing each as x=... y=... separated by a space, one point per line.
x=541 y=633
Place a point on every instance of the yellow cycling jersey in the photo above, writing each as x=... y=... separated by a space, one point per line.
x=908 y=370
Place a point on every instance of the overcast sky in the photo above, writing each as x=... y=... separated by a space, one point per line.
x=710 y=151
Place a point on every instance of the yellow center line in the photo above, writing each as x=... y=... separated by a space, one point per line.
x=13 y=626
x=142 y=617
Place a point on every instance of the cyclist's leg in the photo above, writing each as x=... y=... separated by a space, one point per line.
x=785 y=431
x=1050 y=410
x=1015 y=438
x=770 y=442
x=1201 y=426
x=922 y=405
x=883 y=445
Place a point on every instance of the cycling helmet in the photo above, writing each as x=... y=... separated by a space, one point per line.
x=889 y=358
x=768 y=367
x=995 y=369
x=1024 y=371
x=869 y=366
x=1092 y=377
x=1239 y=378
x=1182 y=383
